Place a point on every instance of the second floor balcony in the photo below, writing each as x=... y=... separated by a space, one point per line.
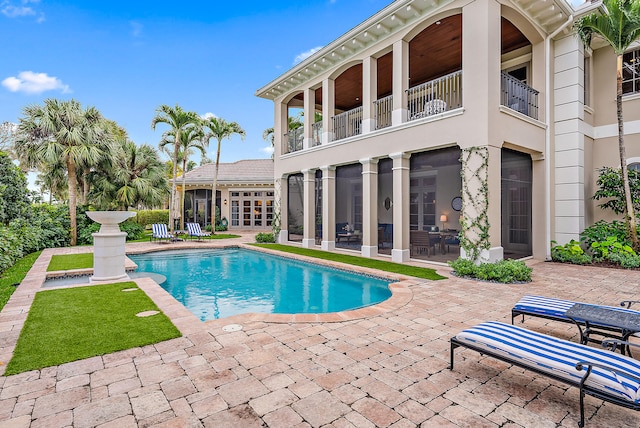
x=436 y=96
x=518 y=96
x=347 y=124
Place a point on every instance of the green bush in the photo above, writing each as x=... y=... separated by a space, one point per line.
x=570 y=252
x=601 y=230
x=603 y=249
x=148 y=217
x=265 y=238
x=505 y=271
x=626 y=260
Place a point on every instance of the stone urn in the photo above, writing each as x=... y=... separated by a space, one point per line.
x=108 y=246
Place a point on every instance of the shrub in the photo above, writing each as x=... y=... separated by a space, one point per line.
x=603 y=249
x=601 y=230
x=504 y=271
x=147 y=217
x=265 y=238
x=626 y=260
x=570 y=252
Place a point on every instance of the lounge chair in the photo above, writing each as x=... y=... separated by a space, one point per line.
x=595 y=371
x=160 y=232
x=194 y=231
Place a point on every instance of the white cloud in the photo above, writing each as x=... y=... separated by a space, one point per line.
x=208 y=115
x=267 y=150
x=11 y=10
x=136 y=28
x=34 y=83
x=304 y=55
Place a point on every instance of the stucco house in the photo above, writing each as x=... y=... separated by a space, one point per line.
x=487 y=116
x=244 y=194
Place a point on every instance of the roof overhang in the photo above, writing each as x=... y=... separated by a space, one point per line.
x=548 y=15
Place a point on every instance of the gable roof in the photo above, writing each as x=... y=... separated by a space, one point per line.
x=250 y=172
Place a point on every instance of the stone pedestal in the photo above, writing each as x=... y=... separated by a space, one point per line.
x=109 y=246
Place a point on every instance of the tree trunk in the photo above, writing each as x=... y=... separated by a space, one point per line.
x=73 y=194
x=213 y=193
x=184 y=170
x=174 y=187
x=630 y=215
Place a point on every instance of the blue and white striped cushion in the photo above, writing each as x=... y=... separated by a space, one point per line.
x=550 y=307
x=194 y=229
x=556 y=356
x=160 y=231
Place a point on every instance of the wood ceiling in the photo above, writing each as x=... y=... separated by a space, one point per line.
x=434 y=52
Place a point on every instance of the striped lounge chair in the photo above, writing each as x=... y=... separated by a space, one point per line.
x=595 y=371
x=194 y=231
x=160 y=232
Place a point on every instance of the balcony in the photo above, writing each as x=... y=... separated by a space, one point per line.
x=518 y=96
x=382 y=109
x=316 y=134
x=347 y=124
x=436 y=96
x=294 y=140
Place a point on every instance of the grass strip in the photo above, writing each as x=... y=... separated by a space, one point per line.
x=14 y=275
x=70 y=261
x=74 y=323
x=398 y=268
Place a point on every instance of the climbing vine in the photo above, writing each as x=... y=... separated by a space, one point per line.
x=474 y=235
x=275 y=223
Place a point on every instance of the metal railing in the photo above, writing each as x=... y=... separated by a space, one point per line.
x=383 y=109
x=294 y=140
x=518 y=96
x=435 y=96
x=316 y=134
x=347 y=124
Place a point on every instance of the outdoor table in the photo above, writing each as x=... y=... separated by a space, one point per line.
x=594 y=317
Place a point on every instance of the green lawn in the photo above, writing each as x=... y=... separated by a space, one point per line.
x=14 y=275
x=398 y=268
x=74 y=323
x=70 y=261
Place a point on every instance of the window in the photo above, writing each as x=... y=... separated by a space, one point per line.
x=634 y=166
x=630 y=72
x=587 y=81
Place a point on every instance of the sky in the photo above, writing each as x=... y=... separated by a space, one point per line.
x=126 y=58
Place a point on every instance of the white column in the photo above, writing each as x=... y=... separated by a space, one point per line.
x=328 y=208
x=328 y=109
x=369 y=207
x=401 y=169
x=369 y=93
x=280 y=127
x=284 y=209
x=309 y=208
x=568 y=117
x=400 y=81
x=309 y=116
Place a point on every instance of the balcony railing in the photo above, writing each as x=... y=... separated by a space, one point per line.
x=435 y=96
x=293 y=141
x=316 y=134
x=382 y=109
x=518 y=96
x=347 y=124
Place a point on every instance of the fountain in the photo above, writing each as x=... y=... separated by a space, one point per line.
x=108 y=246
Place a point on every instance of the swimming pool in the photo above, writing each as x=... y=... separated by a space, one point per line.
x=217 y=283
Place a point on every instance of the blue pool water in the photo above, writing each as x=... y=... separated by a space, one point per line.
x=219 y=283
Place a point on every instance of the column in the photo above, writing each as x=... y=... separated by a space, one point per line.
x=328 y=208
x=284 y=209
x=401 y=167
x=309 y=208
x=328 y=109
x=309 y=117
x=369 y=207
x=568 y=118
x=369 y=93
x=400 y=81
x=280 y=127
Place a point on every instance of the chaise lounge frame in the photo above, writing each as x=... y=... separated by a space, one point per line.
x=580 y=364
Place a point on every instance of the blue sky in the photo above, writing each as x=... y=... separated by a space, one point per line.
x=128 y=57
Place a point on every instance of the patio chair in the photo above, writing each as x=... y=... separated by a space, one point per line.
x=194 y=231
x=159 y=232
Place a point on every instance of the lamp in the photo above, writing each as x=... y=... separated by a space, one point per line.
x=225 y=202
x=444 y=220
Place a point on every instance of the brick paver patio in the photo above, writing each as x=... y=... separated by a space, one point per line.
x=385 y=367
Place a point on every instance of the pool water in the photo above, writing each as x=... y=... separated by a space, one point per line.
x=219 y=283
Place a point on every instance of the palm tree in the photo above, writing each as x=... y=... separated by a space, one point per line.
x=294 y=122
x=219 y=129
x=132 y=176
x=52 y=178
x=178 y=120
x=619 y=27
x=62 y=131
x=190 y=138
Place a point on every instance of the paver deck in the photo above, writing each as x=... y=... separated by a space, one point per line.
x=386 y=367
